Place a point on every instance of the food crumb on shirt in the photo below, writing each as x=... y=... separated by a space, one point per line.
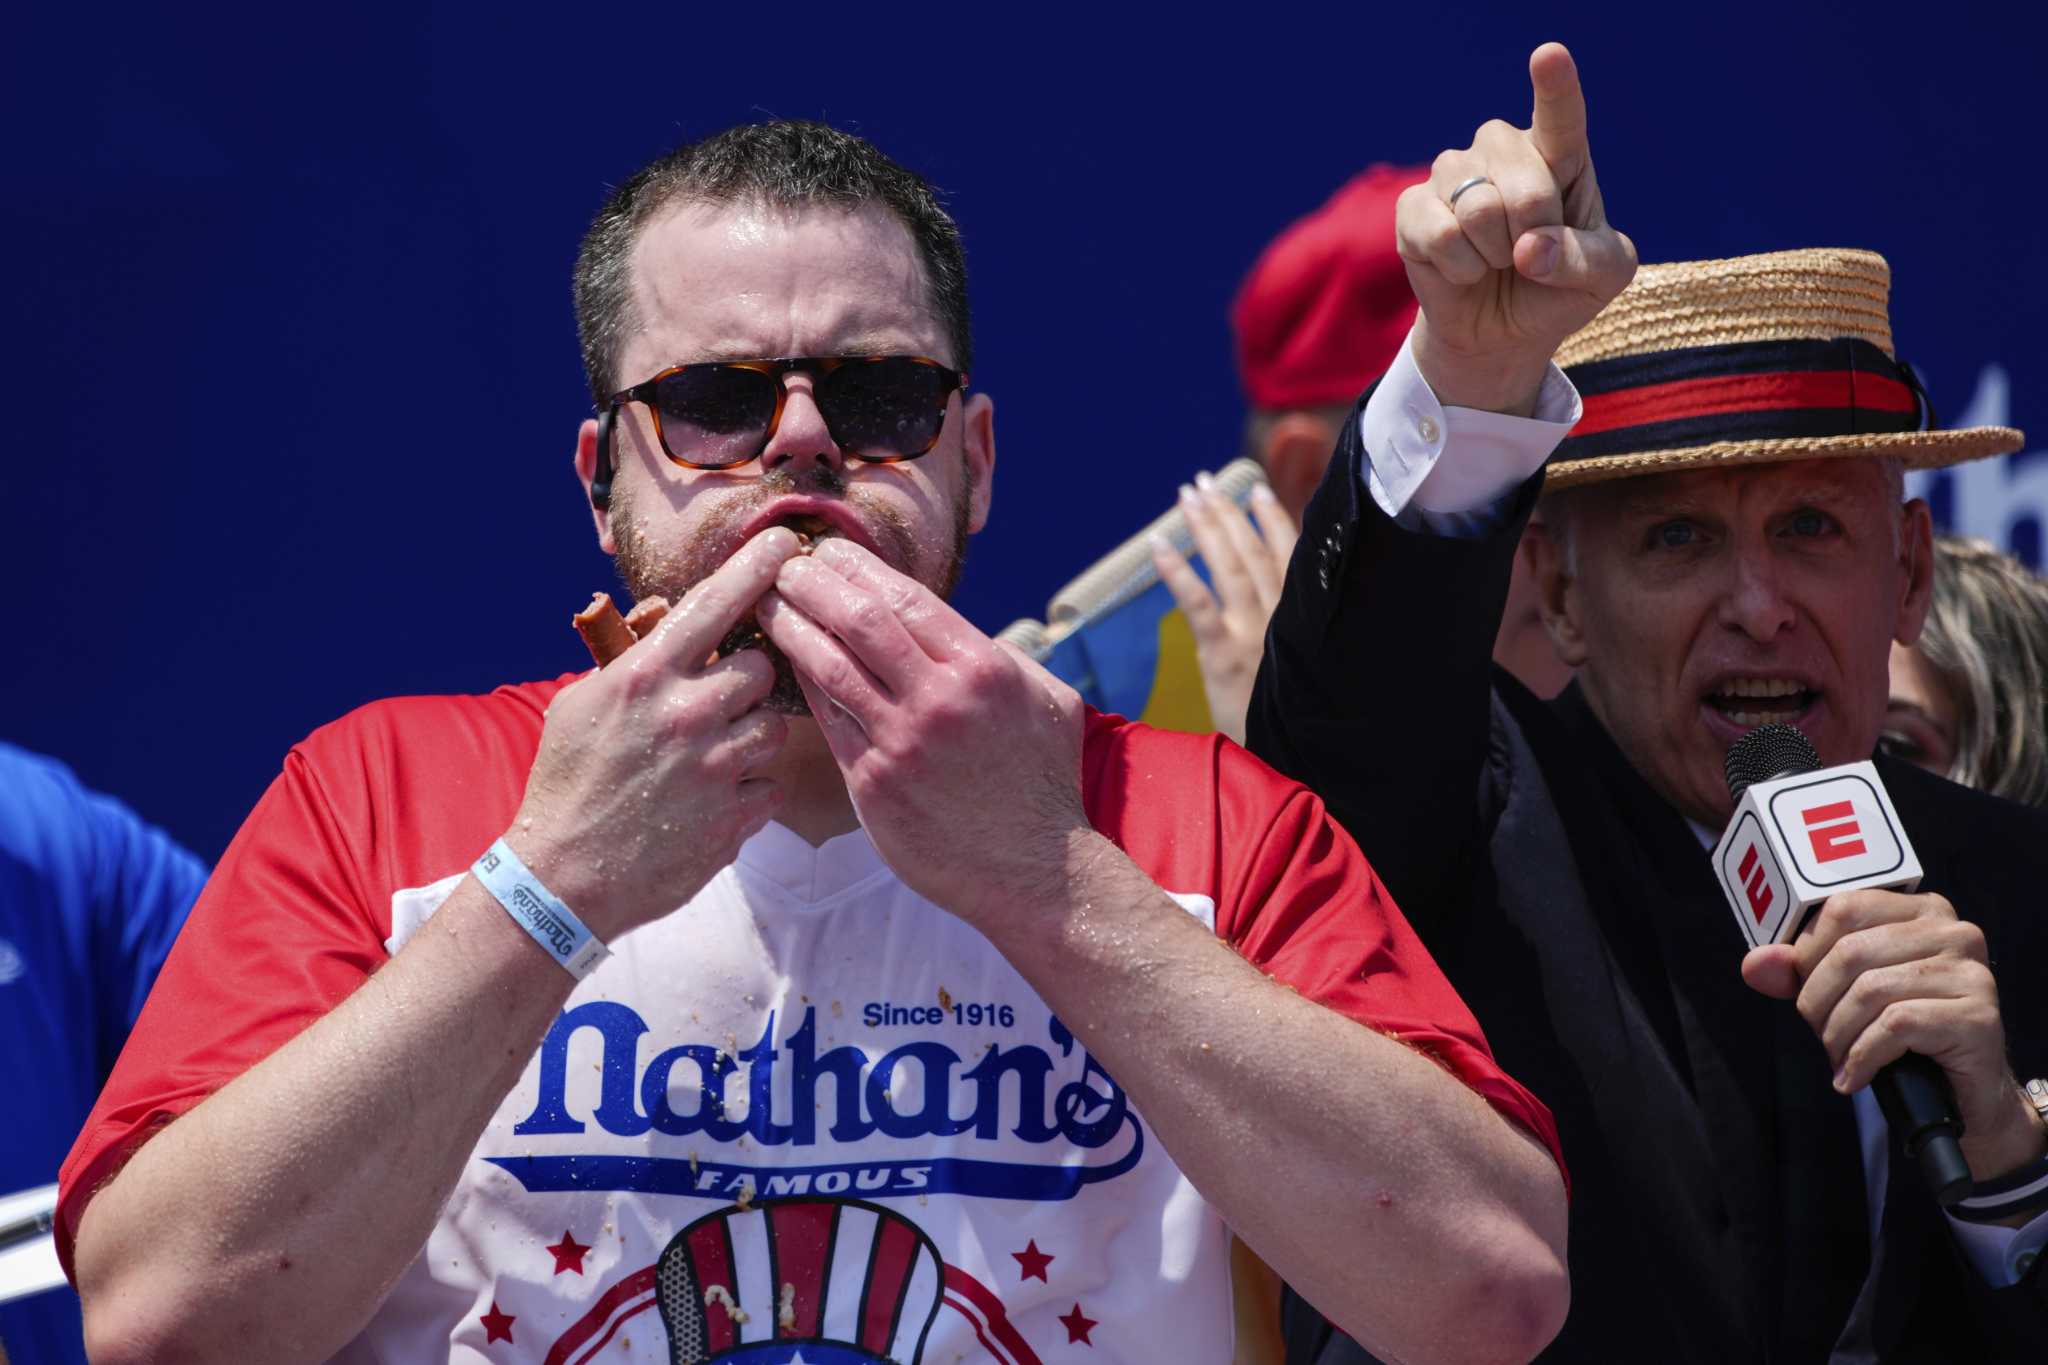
x=745 y=1200
x=720 y=1295
x=785 y=1309
x=945 y=999
x=693 y=1163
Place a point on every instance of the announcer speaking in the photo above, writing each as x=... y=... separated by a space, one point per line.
x=1727 y=546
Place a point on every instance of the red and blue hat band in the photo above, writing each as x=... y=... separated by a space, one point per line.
x=1743 y=391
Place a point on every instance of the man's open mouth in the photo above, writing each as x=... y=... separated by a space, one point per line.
x=812 y=518
x=811 y=527
x=1750 y=702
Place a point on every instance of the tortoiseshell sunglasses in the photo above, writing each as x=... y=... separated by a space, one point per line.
x=721 y=413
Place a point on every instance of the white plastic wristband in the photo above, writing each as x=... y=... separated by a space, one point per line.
x=538 y=911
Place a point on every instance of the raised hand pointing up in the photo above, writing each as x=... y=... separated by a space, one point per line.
x=1508 y=248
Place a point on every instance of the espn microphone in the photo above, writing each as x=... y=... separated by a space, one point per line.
x=1802 y=833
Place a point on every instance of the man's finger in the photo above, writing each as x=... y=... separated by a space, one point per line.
x=864 y=621
x=1483 y=217
x=1599 y=262
x=1190 y=593
x=1526 y=186
x=1772 y=970
x=1856 y=955
x=739 y=680
x=1882 y=987
x=1931 y=1027
x=693 y=628
x=1426 y=234
x=939 y=630
x=824 y=662
x=1558 y=126
x=843 y=734
x=1850 y=912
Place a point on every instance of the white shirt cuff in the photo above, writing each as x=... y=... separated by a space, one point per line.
x=2001 y=1255
x=1406 y=433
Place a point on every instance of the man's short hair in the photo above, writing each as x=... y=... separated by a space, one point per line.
x=785 y=164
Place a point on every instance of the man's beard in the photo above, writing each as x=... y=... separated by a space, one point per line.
x=651 y=571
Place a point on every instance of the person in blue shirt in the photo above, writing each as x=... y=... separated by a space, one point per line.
x=91 y=898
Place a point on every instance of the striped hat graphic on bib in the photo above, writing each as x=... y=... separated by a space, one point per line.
x=782 y=1282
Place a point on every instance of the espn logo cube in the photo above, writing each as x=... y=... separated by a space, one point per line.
x=1795 y=841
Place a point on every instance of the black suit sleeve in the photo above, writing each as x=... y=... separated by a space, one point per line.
x=1374 y=690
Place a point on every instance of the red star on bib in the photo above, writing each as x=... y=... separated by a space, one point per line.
x=568 y=1254
x=1077 y=1324
x=1031 y=1262
x=498 y=1324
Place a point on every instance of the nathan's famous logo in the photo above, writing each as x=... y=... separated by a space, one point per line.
x=791 y=1096
x=797 y=1282
x=538 y=914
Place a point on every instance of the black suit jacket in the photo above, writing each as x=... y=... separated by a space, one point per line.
x=1556 y=890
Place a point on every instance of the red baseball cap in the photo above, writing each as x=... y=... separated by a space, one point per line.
x=1326 y=306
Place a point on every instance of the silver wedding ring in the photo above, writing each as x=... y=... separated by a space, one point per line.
x=1464 y=185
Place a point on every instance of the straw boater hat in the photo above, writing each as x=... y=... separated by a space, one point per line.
x=1785 y=356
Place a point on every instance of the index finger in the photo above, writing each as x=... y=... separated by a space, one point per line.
x=695 y=626
x=1845 y=913
x=939 y=630
x=1558 y=126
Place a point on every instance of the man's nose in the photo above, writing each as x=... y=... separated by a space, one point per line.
x=1756 y=602
x=801 y=438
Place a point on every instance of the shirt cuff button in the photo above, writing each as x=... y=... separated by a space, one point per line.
x=1428 y=428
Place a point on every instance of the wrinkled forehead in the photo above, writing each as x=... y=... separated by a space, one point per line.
x=1855 y=482
x=750 y=280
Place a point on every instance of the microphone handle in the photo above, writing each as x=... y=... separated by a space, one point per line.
x=1917 y=1102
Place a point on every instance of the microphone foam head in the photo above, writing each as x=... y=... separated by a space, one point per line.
x=1766 y=752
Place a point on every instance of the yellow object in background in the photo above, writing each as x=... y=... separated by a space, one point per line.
x=1178 y=700
x=1115 y=634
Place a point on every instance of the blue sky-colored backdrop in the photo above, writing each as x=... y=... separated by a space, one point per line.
x=290 y=369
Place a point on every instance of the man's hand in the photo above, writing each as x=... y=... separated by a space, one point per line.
x=1523 y=261
x=1248 y=568
x=962 y=757
x=1878 y=974
x=643 y=789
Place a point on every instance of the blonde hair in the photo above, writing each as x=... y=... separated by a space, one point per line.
x=1987 y=638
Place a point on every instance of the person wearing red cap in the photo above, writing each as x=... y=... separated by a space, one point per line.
x=1319 y=317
